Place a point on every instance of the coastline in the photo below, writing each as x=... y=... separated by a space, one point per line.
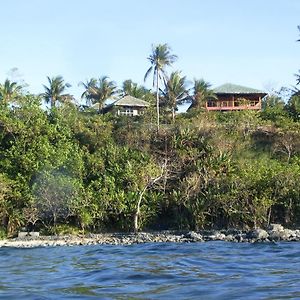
x=274 y=233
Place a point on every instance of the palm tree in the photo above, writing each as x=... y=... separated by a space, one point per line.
x=89 y=87
x=175 y=91
x=97 y=91
x=160 y=58
x=9 y=91
x=131 y=88
x=55 y=92
x=201 y=94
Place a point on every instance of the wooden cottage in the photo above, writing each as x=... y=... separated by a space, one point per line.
x=127 y=106
x=235 y=97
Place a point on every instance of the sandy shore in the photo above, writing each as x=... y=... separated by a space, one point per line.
x=274 y=233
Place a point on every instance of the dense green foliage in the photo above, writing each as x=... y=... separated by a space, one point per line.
x=66 y=166
x=71 y=169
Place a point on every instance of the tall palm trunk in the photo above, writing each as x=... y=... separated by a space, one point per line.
x=52 y=103
x=173 y=115
x=157 y=99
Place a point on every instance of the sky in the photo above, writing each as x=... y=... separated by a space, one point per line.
x=246 y=42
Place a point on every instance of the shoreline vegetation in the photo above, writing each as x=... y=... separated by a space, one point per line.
x=274 y=233
x=70 y=169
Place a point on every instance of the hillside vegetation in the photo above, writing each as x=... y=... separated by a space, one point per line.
x=65 y=168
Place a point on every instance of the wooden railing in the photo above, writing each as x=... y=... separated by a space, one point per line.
x=227 y=107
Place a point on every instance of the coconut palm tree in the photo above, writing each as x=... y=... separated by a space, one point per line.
x=55 y=91
x=133 y=89
x=160 y=58
x=97 y=91
x=175 y=91
x=89 y=88
x=201 y=94
x=9 y=91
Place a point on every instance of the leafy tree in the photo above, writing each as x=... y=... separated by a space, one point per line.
x=5 y=205
x=55 y=196
x=287 y=139
x=55 y=92
x=286 y=192
x=293 y=106
x=160 y=58
x=273 y=107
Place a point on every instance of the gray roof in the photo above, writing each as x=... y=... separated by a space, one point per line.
x=131 y=101
x=229 y=88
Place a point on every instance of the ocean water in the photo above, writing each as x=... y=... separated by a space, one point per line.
x=211 y=270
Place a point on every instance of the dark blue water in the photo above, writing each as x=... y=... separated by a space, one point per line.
x=212 y=270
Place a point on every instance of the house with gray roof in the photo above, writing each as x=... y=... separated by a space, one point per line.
x=127 y=106
x=235 y=97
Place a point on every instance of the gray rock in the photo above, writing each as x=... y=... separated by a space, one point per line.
x=239 y=238
x=283 y=235
x=194 y=236
x=219 y=237
x=23 y=234
x=232 y=231
x=297 y=233
x=230 y=238
x=275 y=227
x=34 y=234
x=259 y=234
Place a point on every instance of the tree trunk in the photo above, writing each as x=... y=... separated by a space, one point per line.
x=138 y=210
x=269 y=215
x=54 y=221
x=157 y=99
x=99 y=108
x=173 y=115
x=138 y=206
x=52 y=103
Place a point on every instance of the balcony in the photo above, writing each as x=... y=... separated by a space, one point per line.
x=232 y=105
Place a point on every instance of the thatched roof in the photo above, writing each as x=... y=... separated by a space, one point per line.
x=229 y=88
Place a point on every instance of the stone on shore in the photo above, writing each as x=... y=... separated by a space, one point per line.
x=274 y=233
x=194 y=236
x=275 y=227
x=257 y=234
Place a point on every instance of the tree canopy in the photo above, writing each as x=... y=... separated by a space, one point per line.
x=70 y=169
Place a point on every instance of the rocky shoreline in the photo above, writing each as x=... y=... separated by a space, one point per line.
x=274 y=233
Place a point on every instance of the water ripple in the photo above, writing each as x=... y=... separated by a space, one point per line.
x=212 y=270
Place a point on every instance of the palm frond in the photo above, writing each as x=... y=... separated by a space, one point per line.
x=148 y=73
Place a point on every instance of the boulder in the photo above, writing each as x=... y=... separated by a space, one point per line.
x=275 y=227
x=283 y=235
x=258 y=234
x=194 y=236
x=219 y=237
x=34 y=234
x=23 y=234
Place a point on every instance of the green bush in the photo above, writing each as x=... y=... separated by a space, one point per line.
x=62 y=229
x=3 y=234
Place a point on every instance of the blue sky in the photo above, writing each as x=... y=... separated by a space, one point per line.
x=252 y=43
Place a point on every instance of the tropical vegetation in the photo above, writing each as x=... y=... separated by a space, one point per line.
x=63 y=167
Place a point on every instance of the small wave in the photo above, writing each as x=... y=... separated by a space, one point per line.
x=209 y=270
